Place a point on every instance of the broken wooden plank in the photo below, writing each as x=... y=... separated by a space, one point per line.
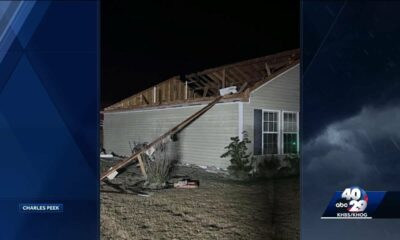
x=174 y=130
x=145 y=99
x=267 y=69
x=223 y=78
x=243 y=87
x=205 y=91
x=141 y=164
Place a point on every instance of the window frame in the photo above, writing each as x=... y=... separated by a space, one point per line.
x=297 y=131
x=278 y=132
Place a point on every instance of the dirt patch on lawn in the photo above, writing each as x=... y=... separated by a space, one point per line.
x=220 y=209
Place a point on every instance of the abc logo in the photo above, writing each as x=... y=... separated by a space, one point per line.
x=341 y=205
x=356 y=199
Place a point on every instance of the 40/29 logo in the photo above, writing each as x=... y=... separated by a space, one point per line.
x=354 y=200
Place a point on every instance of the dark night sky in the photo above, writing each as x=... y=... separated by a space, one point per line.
x=150 y=41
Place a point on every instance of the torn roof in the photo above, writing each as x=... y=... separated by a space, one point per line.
x=205 y=85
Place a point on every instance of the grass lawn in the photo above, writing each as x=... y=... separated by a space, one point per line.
x=220 y=209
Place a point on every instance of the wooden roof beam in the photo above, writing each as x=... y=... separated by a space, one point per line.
x=213 y=87
x=215 y=78
x=207 y=81
x=243 y=87
x=267 y=69
x=277 y=66
x=293 y=54
x=242 y=75
x=214 y=81
x=234 y=79
x=205 y=91
x=144 y=98
x=195 y=82
x=223 y=80
x=255 y=75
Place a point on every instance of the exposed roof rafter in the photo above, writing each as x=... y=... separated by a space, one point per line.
x=244 y=75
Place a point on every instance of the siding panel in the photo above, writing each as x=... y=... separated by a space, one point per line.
x=200 y=143
x=282 y=93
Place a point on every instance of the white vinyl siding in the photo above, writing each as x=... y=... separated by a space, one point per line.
x=201 y=143
x=279 y=94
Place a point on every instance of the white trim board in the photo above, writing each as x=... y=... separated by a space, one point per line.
x=240 y=121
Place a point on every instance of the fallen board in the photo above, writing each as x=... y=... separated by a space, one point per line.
x=172 y=131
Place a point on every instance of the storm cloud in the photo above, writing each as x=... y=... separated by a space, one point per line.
x=362 y=150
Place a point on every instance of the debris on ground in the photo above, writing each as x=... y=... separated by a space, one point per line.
x=188 y=183
x=220 y=209
x=106 y=155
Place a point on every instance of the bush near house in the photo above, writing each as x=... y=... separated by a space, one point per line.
x=244 y=166
x=268 y=167
x=272 y=167
x=292 y=165
x=241 y=161
x=159 y=167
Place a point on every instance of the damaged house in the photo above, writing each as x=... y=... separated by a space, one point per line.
x=263 y=100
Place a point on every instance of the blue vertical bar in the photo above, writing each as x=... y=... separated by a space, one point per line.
x=49 y=116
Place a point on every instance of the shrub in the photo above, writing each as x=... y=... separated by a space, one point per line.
x=268 y=167
x=272 y=167
x=158 y=166
x=241 y=161
x=292 y=164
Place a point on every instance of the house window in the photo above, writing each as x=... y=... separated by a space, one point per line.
x=270 y=132
x=290 y=132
